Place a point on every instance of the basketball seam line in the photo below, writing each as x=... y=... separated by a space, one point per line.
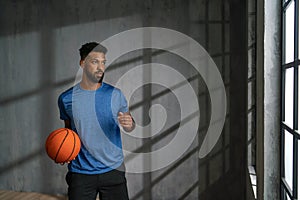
x=61 y=145
x=73 y=146
x=61 y=130
x=53 y=136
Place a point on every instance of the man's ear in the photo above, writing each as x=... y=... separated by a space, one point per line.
x=81 y=63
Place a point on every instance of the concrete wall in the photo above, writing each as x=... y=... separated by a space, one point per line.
x=268 y=96
x=39 y=53
x=272 y=96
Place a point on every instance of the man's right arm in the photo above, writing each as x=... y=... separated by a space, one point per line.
x=67 y=124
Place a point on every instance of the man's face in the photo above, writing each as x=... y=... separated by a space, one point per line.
x=94 y=66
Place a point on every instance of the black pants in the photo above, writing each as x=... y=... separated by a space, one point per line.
x=110 y=186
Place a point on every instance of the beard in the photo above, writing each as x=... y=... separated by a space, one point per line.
x=94 y=77
x=101 y=79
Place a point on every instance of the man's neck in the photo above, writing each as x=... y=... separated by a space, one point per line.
x=87 y=85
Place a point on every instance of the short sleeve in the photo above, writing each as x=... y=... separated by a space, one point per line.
x=123 y=103
x=119 y=103
x=62 y=111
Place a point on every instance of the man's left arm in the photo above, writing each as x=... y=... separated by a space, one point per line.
x=126 y=121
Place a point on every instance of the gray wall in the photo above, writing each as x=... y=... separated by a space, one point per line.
x=269 y=96
x=39 y=53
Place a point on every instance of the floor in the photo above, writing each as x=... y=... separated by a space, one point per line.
x=11 y=195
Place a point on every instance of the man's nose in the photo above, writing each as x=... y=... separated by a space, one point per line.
x=101 y=66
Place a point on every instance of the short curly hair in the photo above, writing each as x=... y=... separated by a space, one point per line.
x=91 y=46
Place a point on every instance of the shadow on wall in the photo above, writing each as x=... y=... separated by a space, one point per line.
x=188 y=176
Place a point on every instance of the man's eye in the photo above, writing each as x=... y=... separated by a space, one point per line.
x=94 y=62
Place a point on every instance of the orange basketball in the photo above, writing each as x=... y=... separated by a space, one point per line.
x=63 y=145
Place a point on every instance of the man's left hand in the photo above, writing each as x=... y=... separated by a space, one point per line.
x=126 y=121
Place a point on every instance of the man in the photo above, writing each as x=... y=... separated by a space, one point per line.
x=95 y=109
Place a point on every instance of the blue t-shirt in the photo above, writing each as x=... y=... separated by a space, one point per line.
x=93 y=115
